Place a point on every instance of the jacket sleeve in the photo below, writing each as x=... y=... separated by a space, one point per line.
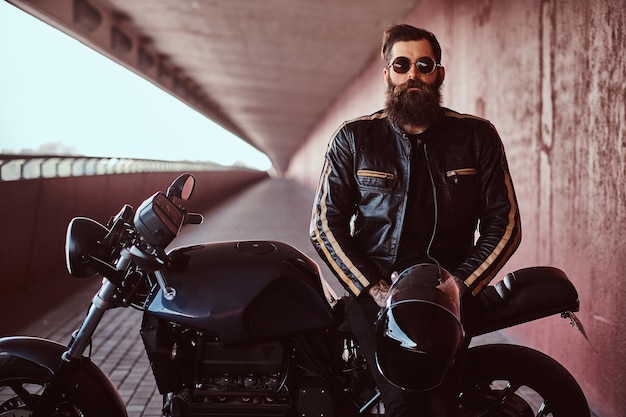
x=499 y=220
x=333 y=211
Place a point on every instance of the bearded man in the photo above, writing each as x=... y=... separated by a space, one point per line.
x=409 y=185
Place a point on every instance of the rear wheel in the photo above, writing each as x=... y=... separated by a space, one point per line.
x=21 y=385
x=515 y=381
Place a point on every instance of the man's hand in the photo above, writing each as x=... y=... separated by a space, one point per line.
x=379 y=292
x=454 y=287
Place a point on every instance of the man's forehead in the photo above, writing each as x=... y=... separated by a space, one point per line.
x=404 y=48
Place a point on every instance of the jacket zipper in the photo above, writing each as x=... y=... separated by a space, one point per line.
x=462 y=171
x=436 y=211
x=456 y=173
x=375 y=174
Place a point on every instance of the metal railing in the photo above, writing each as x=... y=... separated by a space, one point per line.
x=25 y=167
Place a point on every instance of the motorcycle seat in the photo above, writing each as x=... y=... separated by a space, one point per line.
x=522 y=296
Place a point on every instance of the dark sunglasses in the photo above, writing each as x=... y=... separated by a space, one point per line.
x=425 y=65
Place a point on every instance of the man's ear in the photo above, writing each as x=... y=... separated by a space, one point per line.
x=442 y=73
x=386 y=76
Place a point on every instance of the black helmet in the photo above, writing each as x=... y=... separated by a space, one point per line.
x=419 y=332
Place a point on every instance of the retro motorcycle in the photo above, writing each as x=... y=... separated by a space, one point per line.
x=246 y=328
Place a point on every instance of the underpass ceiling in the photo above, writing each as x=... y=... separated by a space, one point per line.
x=266 y=70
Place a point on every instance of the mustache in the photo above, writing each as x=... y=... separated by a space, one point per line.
x=403 y=91
x=416 y=83
x=411 y=83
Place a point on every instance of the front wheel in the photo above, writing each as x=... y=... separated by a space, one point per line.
x=515 y=381
x=21 y=385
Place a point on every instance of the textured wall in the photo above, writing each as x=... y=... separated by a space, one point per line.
x=551 y=76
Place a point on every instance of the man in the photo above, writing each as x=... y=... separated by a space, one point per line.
x=408 y=185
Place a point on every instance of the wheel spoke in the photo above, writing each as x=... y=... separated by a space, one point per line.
x=27 y=398
x=543 y=411
x=21 y=384
x=508 y=380
x=507 y=391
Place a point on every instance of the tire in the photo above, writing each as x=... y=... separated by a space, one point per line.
x=514 y=381
x=21 y=384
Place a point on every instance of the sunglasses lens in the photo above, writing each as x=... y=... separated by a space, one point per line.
x=425 y=65
x=401 y=65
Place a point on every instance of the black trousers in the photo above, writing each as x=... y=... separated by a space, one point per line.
x=442 y=401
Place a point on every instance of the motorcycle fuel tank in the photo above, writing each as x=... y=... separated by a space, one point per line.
x=240 y=291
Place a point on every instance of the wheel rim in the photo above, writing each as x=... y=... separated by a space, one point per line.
x=502 y=398
x=18 y=397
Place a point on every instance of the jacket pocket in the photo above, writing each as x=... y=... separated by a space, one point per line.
x=375 y=174
x=369 y=178
x=460 y=198
x=455 y=175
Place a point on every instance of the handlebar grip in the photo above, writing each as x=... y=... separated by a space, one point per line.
x=194 y=218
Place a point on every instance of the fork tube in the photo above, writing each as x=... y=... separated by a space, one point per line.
x=71 y=360
x=100 y=303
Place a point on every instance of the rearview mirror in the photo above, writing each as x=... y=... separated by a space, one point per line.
x=182 y=187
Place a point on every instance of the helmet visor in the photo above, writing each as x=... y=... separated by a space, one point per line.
x=418 y=337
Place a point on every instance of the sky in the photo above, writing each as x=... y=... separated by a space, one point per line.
x=57 y=96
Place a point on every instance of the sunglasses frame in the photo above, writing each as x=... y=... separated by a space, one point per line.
x=419 y=69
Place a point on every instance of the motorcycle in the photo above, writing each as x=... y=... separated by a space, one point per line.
x=249 y=328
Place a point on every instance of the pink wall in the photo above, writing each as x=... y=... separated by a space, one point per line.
x=551 y=76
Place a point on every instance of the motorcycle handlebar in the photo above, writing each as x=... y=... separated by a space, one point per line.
x=194 y=218
x=159 y=219
x=92 y=248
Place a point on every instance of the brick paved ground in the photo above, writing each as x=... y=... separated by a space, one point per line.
x=272 y=210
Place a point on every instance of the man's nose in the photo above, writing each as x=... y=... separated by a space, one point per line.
x=413 y=72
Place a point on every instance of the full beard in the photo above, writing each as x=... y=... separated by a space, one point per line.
x=419 y=107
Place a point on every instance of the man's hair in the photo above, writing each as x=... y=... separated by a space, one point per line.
x=404 y=33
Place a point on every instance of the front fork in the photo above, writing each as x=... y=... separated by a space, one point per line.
x=73 y=361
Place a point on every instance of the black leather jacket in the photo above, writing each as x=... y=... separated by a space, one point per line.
x=362 y=196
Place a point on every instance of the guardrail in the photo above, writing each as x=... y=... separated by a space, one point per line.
x=41 y=194
x=24 y=167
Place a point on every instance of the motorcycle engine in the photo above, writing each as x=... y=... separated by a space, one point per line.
x=206 y=378
x=249 y=370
